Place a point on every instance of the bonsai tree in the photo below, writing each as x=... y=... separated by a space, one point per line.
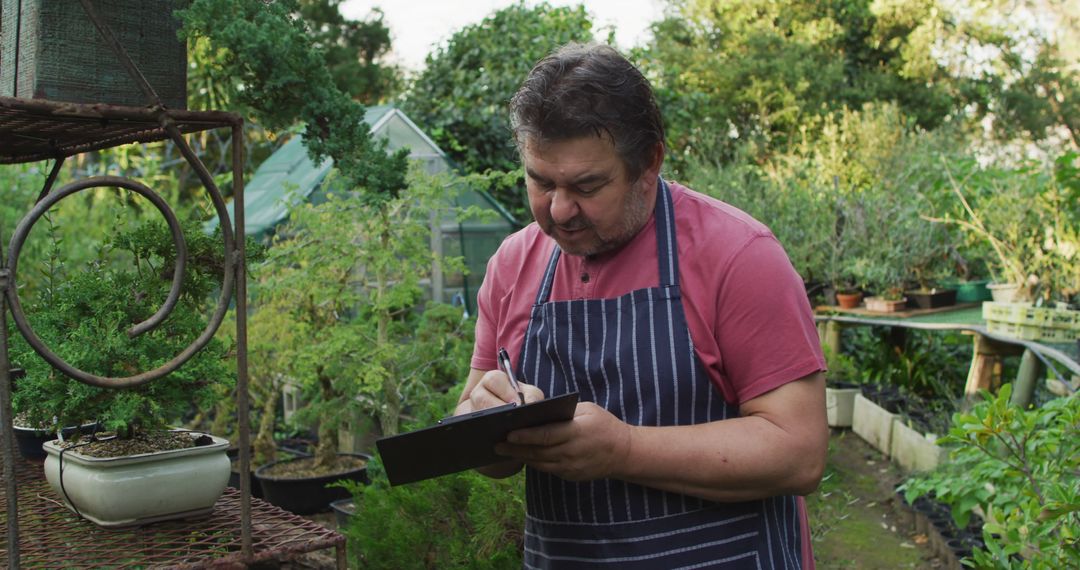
x=344 y=278
x=85 y=318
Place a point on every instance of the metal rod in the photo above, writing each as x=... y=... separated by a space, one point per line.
x=64 y=110
x=7 y=421
x=51 y=179
x=18 y=239
x=121 y=54
x=242 y=395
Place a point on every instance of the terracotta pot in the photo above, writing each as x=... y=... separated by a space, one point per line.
x=848 y=300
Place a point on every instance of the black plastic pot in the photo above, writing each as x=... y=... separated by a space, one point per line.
x=931 y=299
x=256 y=488
x=343 y=511
x=30 y=440
x=307 y=495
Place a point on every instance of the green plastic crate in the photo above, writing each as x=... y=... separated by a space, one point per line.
x=49 y=49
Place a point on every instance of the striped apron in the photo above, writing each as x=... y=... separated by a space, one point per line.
x=633 y=355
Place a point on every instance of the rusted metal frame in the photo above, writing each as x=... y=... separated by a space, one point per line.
x=22 y=231
x=242 y=396
x=59 y=109
x=51 y=179
x=7 y=442
x=121 y=54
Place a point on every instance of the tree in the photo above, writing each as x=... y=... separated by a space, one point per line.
x=286 y=80
x=461 y=97
x=344 y=279
x=761 y=73
x=352 y=50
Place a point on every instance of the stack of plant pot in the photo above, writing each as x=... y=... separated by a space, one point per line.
x=1024 y=321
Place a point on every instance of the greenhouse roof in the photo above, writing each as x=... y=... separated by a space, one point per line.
x=289 y=177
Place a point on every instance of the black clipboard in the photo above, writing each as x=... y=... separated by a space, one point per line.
x=467 y=441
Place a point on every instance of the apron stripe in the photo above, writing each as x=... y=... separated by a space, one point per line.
x=610 y=523
x=713 y=563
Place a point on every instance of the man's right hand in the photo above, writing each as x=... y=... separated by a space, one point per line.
x=494 y=389
x=487 y=389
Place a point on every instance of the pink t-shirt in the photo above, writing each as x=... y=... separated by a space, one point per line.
x=746 y=306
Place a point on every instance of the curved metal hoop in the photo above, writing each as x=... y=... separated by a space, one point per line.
x=23 y=230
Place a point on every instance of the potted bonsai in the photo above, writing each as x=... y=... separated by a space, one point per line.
x=142 y=471
x=345 y=279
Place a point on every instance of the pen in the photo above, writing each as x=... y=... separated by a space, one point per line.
x=504 y=362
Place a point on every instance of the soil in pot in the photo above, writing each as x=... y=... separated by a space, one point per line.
x=101 y=446
x=294 y=484
x=234 y=468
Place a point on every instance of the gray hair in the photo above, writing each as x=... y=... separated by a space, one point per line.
x=589 y=89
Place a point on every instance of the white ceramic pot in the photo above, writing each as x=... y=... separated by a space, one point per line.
x=840 y=405
x=914 y=451
x=873 y=423
x=139 y=489
x=1003 y=292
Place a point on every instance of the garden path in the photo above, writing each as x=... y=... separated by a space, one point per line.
x=856 y=521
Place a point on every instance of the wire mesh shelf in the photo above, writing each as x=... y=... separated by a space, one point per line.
x=51 y=536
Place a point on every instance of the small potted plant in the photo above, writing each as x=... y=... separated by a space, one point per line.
x=141 y=471
x=892 y=300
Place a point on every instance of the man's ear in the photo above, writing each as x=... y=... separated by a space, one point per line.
x=656 y=161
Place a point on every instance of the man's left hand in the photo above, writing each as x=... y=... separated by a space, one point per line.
x=593 y=445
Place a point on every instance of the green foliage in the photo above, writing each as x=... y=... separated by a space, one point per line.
x=338 y=308
x=929 y=364
x=352 y=50
x=85 y=319
x=1027 y=216
x=800 y=213
x=458 y=521
x=847 y=207
x=285 y=78
x=1019 y=467
x=463 y=520
x=764 y=73
x=461 y=96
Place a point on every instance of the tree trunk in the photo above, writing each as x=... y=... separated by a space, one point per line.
x=265 y=446
x=326 y=451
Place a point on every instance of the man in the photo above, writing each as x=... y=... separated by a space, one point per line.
x=680 y=322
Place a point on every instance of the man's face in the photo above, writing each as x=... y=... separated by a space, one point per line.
x=581 y=196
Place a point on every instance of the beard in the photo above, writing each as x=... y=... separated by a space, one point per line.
x=636 y=213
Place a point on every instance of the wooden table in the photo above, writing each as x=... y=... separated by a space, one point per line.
x=989 y=349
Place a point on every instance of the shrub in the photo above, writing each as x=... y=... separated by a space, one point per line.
x=1020 y=468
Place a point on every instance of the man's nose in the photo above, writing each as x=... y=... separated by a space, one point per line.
x=563 y=206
